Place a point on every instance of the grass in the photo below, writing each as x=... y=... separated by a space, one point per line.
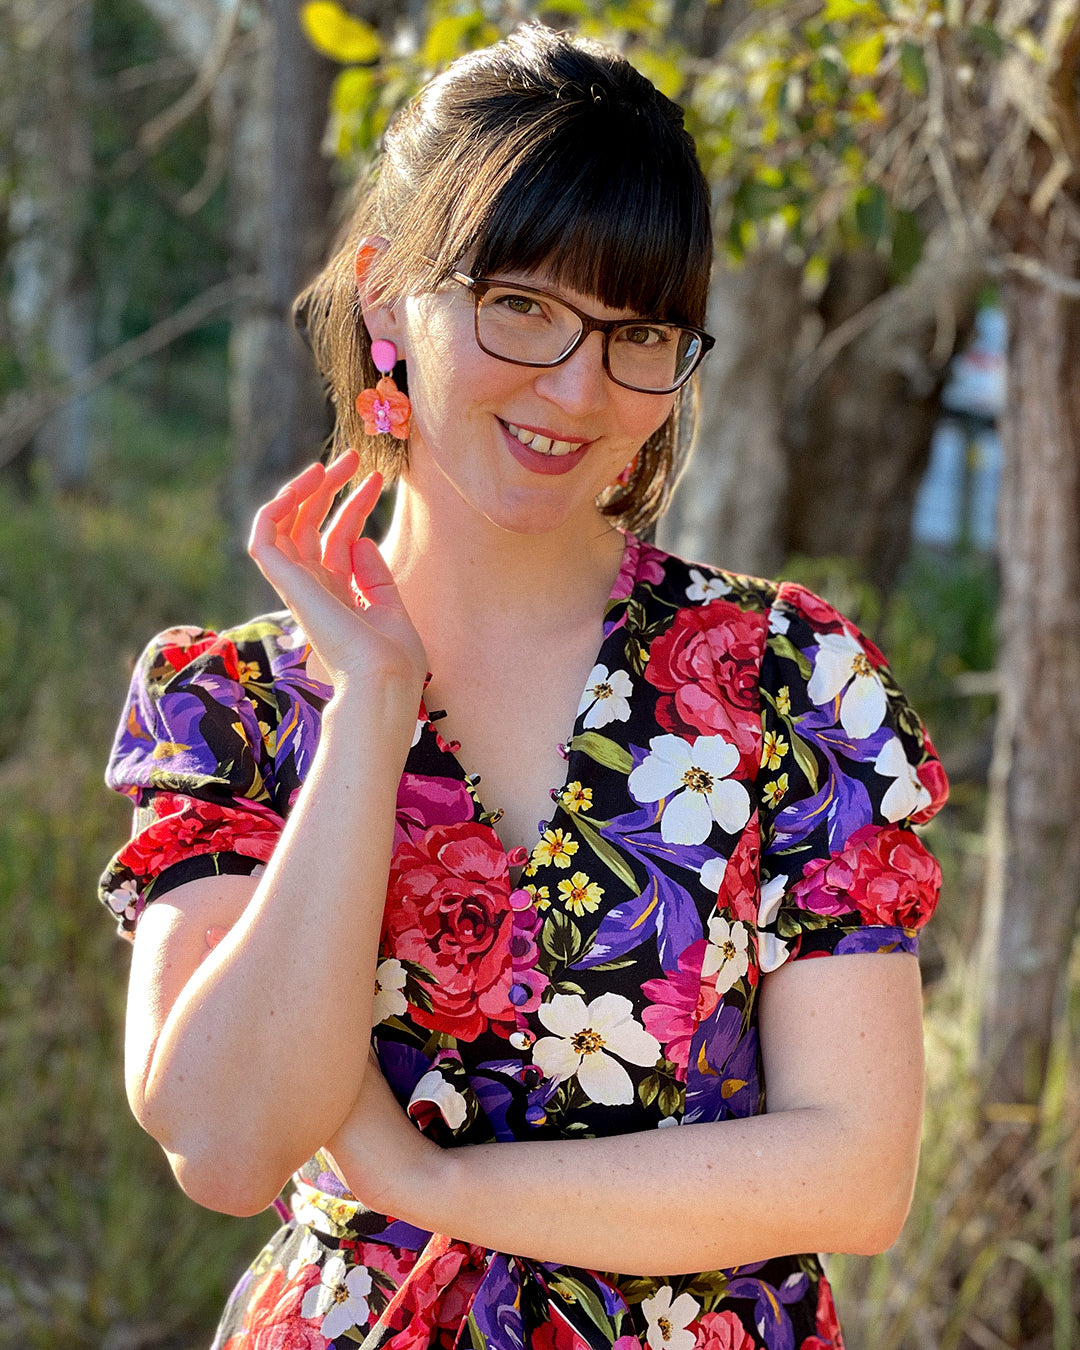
x=98 y=1248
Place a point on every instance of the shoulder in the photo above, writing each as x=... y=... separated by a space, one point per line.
x=243 y=652
x=686 y=585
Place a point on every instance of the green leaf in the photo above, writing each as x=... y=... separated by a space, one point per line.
x=838 y=11
x=615 y=965
x=913 y=67
x=607 y=854
x=907 y=244
x=339 y=35
x=872 y=213
x=783 y=646
x=988 y=38
x=604 y=750
x=671 y=1099
x=805 y=759
x=561 y=937
x=648 y=1089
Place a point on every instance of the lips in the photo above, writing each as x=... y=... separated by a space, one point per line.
x=539 y=453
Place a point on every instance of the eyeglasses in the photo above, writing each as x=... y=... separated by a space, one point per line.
x=532 y=328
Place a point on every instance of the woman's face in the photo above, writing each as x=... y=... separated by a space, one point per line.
x=473 y=415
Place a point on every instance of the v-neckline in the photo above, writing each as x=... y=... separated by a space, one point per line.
x=622 y=589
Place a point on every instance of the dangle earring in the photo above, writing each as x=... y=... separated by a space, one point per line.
x=627 y=473
x=385 y=409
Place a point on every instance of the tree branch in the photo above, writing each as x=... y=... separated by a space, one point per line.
x=25 y=411
x=154 y=132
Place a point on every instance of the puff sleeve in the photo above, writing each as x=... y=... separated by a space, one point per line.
x=847 y=769
x=211 y=746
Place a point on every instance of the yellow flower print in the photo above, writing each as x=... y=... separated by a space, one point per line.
x=540 y=895
x=269 y=736
x=575 y=798
x=776 y=790
x=774 y=750
x=555 y=846
x=248 y=670
x=783 y=701
x=580 y=894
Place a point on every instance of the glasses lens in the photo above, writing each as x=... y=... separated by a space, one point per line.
x=652 y=356
x=522 y=325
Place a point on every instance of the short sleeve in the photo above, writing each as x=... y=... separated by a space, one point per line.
x=193 y=752
x=847 y=770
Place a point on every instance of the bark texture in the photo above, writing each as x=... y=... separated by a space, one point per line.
x=729 y=506
x=1033 y=896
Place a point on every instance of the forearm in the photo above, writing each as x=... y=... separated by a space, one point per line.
x=247 y=1064
x=691 y=1198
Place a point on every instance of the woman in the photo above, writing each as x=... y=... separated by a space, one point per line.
x=330 y=871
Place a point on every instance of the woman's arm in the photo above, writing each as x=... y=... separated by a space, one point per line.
x=830 y=1167
x=241 y=1064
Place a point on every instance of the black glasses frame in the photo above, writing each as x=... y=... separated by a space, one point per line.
x=479 y=287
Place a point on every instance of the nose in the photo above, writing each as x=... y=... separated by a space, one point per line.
x=580 y=385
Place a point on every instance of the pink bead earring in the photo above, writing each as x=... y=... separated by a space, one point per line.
x=385 y=409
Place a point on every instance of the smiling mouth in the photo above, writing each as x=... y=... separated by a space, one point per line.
x=543 y=445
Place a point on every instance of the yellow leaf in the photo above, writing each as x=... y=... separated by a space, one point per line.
x=456 y=33
x=339 y=35
x=864 y=56
x=351 y=92
x=730 y=1086
x=837 y=11
x=664 y=71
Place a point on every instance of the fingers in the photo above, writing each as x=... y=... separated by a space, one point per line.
x=370 y=573
x=349 y=523
x=312 y=511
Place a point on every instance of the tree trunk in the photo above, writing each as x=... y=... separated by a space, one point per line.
x=51 y=306
x=729 y=506
x=1033 y=891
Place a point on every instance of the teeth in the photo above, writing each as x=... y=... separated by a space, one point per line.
x=543 y=445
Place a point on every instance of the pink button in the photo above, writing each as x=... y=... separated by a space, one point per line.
x=518 y=857
x=520 y=899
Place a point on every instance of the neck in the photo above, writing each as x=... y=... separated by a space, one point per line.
x=452 y=565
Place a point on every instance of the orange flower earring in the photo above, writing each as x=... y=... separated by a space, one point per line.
x=385 y=409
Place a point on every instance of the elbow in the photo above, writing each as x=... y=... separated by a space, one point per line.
x=230 y=1175
x=877 y=1210
x=225 y=1189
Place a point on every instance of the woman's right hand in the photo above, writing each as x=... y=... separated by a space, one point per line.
x=335 y=582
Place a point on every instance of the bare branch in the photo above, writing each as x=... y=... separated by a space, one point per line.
x=1036 y=271
x=25 y=411
x=154 y=132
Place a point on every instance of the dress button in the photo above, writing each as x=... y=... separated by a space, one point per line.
x=520 y=898
x=519 y=994
x=531 y=1076
x=521 y=1040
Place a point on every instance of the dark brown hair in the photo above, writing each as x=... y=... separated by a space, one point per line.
x=542 y=151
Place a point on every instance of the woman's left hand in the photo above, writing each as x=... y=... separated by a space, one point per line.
x=388 y=1158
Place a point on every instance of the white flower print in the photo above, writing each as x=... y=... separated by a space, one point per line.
x=712 y=873
x=434 y=1088
x=778 y=623
x=340 y=1298
x=122 y=900
x=586 y=1040
x=389 y=999
x=772 y=950
x=906 y=795
x=307 y=1254
x=706 y=588
x=842 y=663
x=697 y=775
x=668 y=1320
x=726 y=956
x=606 y=697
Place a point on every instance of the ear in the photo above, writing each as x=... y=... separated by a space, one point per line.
x=379 y=319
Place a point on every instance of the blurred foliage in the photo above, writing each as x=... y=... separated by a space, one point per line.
x=96 y=1240
x=789 y=117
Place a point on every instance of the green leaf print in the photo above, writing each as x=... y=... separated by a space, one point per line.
x=608 y=855
x=561 y=937
x=604 y=750
x=783 y=646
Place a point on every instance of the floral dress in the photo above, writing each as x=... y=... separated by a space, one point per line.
x=741 y=783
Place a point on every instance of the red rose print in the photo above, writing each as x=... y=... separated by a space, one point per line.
x=706 y=667
x=678 y=1004
x=272 y=1318
x=821 y=615
x=722 y=1331
x=885 y=874
x=186 y=827
x=932 y=776
x=448 y=909
x=739 y=888
x=828 y=1327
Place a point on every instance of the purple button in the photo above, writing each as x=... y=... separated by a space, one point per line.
x=520 y=899
x=535 y=1115
x=519 y=994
